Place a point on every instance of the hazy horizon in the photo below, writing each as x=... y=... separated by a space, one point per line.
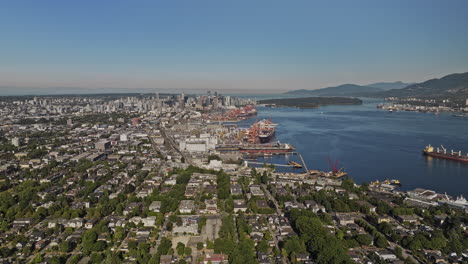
x=242 y=47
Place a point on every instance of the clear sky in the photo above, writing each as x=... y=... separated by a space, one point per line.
x=251 y=45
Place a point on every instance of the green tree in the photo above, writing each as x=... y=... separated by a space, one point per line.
x=381 y=242
x=119 y=233
x=74 y=259
x=209 y=244
x=200 y=246
x=96 y=258
x=294 y=244
x=88 y=239
x=399 y=252
x=180 y=248
x=438 y=240
x=143 y=255
x=223 y=245
x=363 y=239
x=262 y=246
x=38 y=258
x=65 y=246
x=112 y=258
x=188 y=251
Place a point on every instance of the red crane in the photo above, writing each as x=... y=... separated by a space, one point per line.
x=253 y=132
x=333 y=166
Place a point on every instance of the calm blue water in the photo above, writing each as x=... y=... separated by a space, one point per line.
x=375 y=144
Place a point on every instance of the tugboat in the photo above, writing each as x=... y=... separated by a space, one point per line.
x=442 y=154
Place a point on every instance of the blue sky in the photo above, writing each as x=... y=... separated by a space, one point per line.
x=229 y=45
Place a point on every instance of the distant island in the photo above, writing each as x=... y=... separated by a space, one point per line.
x=311 y=102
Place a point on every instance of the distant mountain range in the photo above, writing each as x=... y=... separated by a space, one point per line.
x=342 y=90
x=389 y=85
x=351 y=89
x=450 y=86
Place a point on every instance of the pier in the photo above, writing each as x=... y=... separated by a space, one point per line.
x=303 y=163
x=262 y=163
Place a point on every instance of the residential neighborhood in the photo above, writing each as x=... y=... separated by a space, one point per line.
x=140 y=180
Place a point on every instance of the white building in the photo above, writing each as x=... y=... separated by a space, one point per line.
x=202 y=144
x=386 y=254
x=172 y=180
x=123 y=137
x=149 y=221
x=74 y=223
x=215 y=164
x=16 y=141
x=155 y=206
x=193 y=145
x=186 y=206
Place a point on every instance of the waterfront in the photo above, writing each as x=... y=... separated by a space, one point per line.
x=374 y=144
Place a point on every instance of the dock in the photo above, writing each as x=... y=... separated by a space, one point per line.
x=303 y=162
x=295 y=164
x=262 y=163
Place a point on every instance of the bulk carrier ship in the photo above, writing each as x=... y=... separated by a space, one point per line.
x=442 y=153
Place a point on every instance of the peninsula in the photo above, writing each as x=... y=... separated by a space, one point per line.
x=311 y=102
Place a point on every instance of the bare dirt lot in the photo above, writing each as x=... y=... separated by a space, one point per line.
x=211 y=229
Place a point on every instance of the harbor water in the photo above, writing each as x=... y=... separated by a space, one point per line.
x=373 y=144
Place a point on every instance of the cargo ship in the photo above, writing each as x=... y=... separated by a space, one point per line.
x=274 y=148
x=262 y=131
x=442 y=153
x=266 y=135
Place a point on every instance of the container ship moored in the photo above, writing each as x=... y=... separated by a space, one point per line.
x=429 y=151
x=266 y=135
x=263 y=131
